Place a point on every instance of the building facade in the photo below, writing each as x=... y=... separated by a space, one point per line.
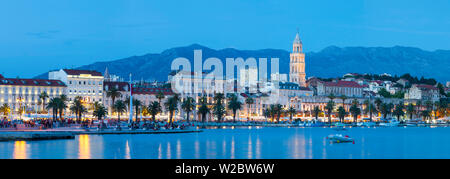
x=340 y=88
x=24 y=93
x=84 y=83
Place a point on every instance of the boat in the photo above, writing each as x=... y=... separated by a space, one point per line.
x=339 y=138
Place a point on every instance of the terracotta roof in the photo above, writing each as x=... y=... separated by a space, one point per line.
x=426 y=87
x=79 y=72
x=119 y=85
x=350 y=84
x=152 y=91
x=31 y=82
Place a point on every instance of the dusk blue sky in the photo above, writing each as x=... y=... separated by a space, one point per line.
x=37 y=36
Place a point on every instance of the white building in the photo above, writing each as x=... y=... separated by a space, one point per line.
x=347 y=88
x=24 y=93
x=84 y=83
x=423 y=92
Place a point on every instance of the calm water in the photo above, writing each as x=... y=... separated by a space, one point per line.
x=243 y=143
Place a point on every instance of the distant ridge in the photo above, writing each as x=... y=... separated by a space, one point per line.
x=332 y=61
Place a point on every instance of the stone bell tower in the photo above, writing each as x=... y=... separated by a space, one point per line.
x=297 y=64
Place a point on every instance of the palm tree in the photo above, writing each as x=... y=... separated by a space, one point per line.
x=419 y=106
x=272 y=112
x=398 y=111
x=278 y=111
x=370 y=108
x=119 y=107
x=100 y=112
x=425 y=114
x=219 y=108
x=249 y=101
x=343 y=98
x=341 y=113
x=188 y=106
x=113 y=93
x=410 y=110
x=77 y=108
x=291 y=111
x=154 y=108
x=53 y=105
x=5 y=109
x=316 y=112
x=234 y=105
x=330 y=107
x=62 y=105
x=160 y=96
x=203 y=108
x=172 y=106
x=137 y=105
x=355 y=111
x=266 y=113
x=386 y=109
x=378 y=103
x=43 y=96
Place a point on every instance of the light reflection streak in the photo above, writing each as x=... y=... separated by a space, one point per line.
x=20 y=150
x=84 y=148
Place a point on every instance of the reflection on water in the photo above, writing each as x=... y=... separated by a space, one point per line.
x=127 y=151
x=243 y=143
x=84 y=147
x=20 y=150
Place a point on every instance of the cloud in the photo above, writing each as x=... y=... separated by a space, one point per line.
x=44 y=35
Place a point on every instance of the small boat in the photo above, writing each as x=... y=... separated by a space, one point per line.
x=339 y=138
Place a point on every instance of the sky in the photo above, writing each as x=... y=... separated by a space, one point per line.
x=37 y=36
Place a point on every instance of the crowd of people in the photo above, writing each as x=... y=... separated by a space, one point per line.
x=89 y=124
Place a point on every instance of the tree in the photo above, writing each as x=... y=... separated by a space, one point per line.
x=330 y=107
x=272 y=112
x=119 y=107
x=441 y=89
x=113 y=93
x=370 y=108
x=410 y=110
x=172 y=106
x=234 y=105
x=343 y=98
x=188 y=106
x=249 y=101
x=5 y=109
x=43 y=96
x=218 y=107
x=291 y=111
x=386 y=109
x=341 y=113
x=425 y=114
x=316 y=112
x=378 y=103
x=137 y=105
x=383 y=92
x=398 y=111
x=53 y=105
x=62 y=105
x=154 y=108
x=203 y=109
x=355 y=110
x=160 y=96
x=100 y=112
x=78 y=108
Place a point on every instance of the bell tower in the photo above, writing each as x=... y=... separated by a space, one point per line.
x=297 y=64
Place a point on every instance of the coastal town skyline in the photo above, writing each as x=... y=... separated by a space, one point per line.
x=71 y=35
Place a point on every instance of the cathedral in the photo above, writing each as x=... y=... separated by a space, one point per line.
x=297 y=64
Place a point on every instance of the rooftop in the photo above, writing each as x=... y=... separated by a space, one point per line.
x=349 y=84
x=30 y=82
x=80 y=72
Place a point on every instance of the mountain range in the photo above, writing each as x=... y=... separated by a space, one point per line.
x=330 y=62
